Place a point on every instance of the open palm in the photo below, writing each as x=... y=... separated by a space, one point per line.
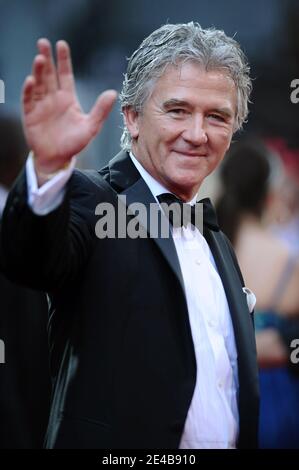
x=55 y=126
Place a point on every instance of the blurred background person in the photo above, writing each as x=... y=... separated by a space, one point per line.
x=252 y=179
x=284 y=218
x=24 y=377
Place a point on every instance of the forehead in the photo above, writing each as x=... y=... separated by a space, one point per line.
x=192 y=82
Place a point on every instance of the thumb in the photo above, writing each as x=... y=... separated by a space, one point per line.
x=101 y=109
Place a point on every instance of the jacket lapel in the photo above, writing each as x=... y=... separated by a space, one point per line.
x=126 y=181
x=243 y=329
x=232 y=286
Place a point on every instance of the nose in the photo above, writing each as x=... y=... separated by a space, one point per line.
x=195 y=132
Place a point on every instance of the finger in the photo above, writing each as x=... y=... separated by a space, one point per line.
x=101 y=109
x=64 y=67
x=50 y=76
x=27 y=95
x=40 y=88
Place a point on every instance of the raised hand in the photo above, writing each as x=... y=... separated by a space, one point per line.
x=55 y=126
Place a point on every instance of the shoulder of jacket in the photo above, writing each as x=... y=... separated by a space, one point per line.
x=90 y=178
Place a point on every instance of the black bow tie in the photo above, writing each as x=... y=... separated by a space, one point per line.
x=177 y=216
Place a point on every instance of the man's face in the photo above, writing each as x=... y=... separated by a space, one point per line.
x=185 y=126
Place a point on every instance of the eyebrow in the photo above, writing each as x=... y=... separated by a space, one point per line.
x=175 y=102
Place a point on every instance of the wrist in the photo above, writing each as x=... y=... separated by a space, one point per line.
x=47 y=173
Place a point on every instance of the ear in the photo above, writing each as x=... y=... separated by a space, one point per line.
x=131 y=120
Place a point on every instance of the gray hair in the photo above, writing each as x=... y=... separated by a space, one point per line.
x=175 y=43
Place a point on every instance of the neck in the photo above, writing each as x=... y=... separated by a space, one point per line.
x=185 y=193
x=185 y=196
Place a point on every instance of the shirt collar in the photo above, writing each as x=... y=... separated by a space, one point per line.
x=155 y=186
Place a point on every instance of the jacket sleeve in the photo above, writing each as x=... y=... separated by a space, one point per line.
x=45 y=252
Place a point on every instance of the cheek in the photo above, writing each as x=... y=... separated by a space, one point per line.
x=168 y=132
x=221 y=141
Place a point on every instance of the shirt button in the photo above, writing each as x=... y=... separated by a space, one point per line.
x=198 y=262
x=220 y=384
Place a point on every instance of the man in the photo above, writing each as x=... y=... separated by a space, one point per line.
x=152 y=343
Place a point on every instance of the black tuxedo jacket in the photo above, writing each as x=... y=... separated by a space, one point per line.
x=24 y=378
x=122 y=355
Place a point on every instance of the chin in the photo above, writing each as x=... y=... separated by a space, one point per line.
x=185 y=185
x=189 y=181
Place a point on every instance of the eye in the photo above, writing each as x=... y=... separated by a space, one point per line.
x=217 y=117
x=178 y=111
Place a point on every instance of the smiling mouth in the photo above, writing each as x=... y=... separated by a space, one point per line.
x=190 y=154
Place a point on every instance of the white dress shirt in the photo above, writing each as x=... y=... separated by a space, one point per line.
x=49 y=196
x=212 y=421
